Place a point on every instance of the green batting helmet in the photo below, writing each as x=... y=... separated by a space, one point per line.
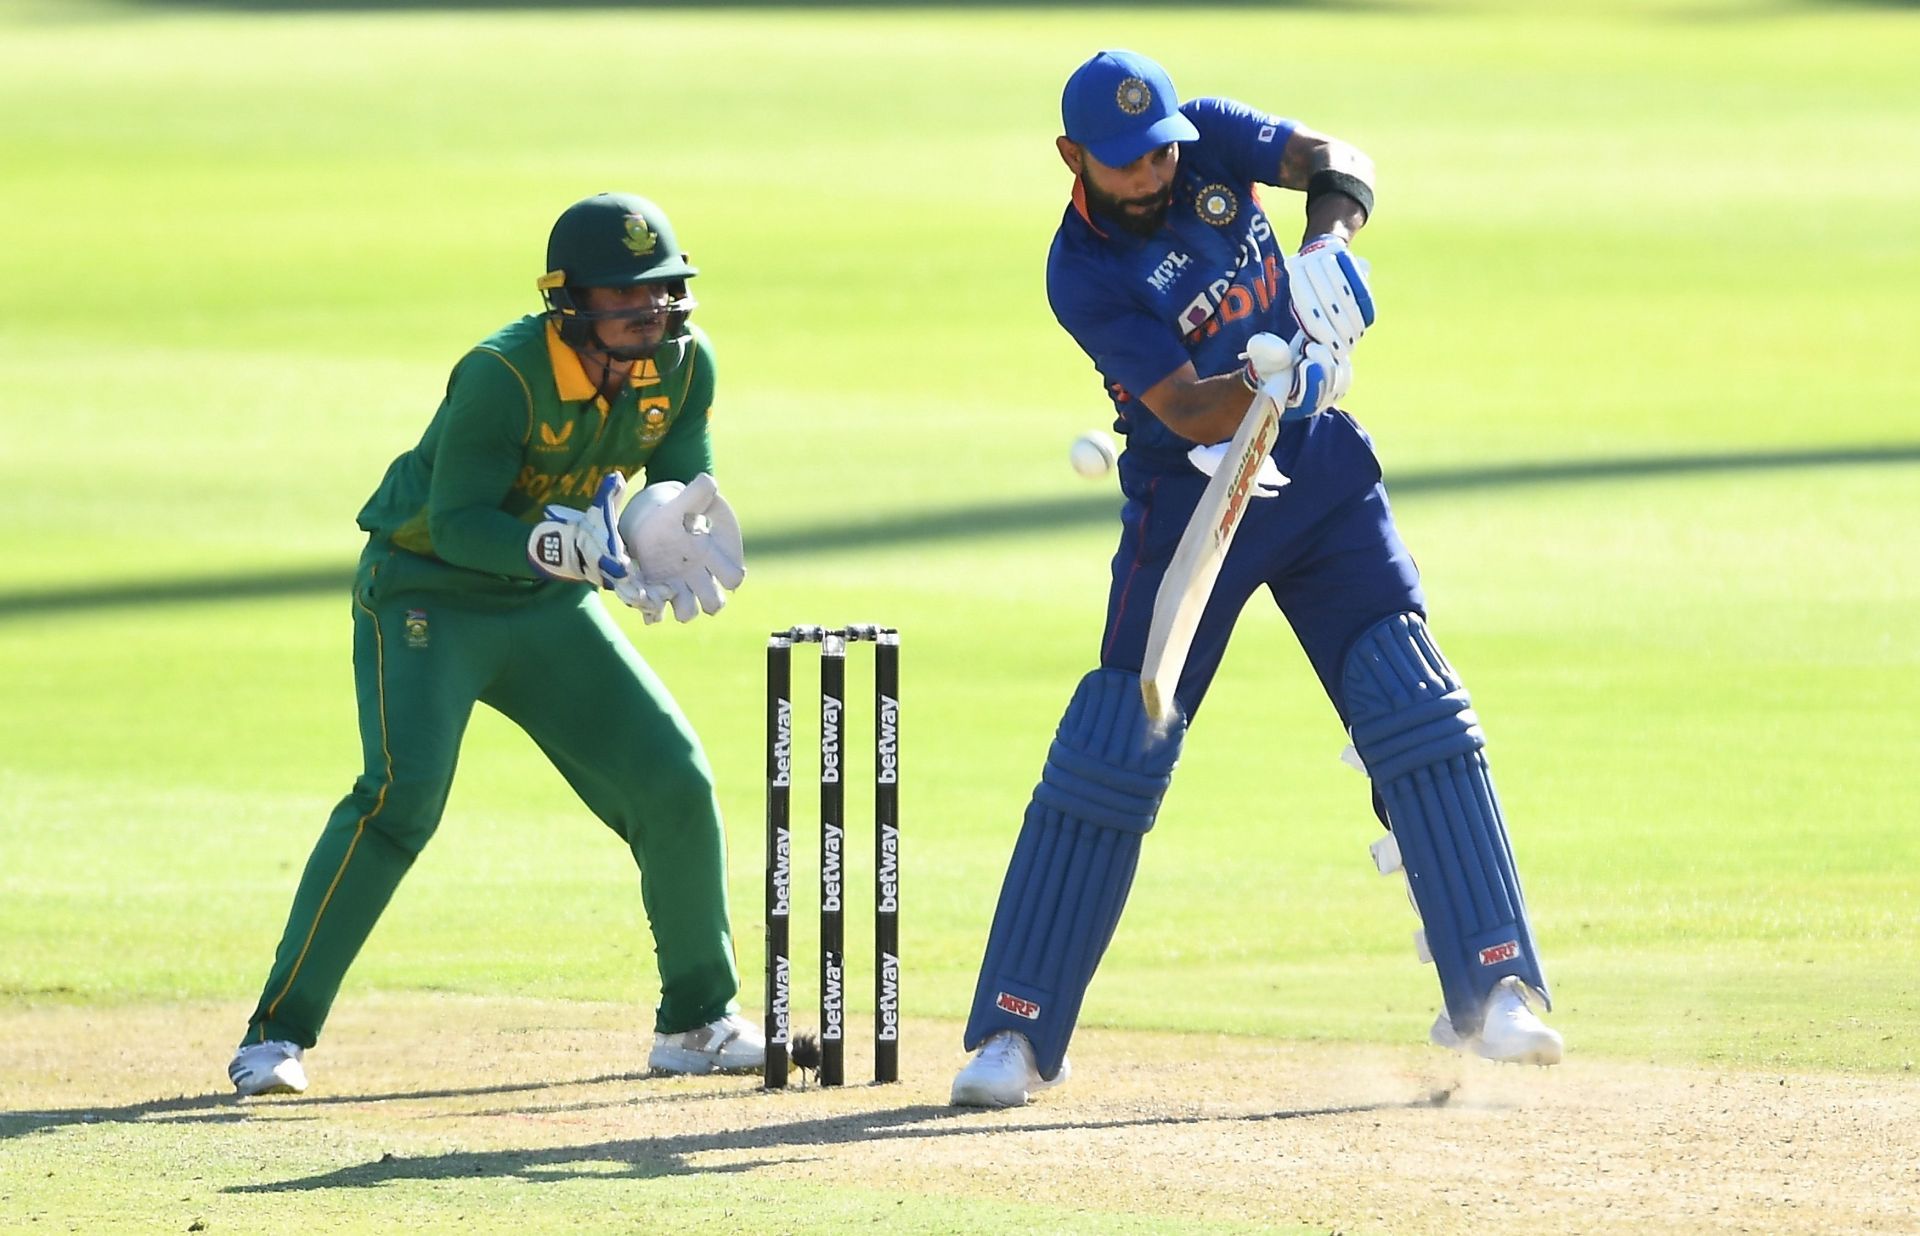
x=615 y=240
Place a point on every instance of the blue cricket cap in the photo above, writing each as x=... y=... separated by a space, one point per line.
x=1120 y=105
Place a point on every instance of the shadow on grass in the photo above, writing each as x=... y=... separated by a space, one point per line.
x=222 y=1107
x=963 y=523
x=647 y=1158
x=370 y=6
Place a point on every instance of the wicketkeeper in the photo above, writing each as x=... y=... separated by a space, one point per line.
x=487 y=543
x=1169 y=275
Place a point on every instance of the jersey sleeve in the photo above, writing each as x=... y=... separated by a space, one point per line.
x=1247 y=142
x=687 y=449
x=486 y=420
x=1128 y=345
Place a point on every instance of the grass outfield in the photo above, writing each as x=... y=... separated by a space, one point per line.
x=1643 y=375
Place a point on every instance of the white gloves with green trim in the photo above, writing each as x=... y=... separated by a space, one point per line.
x=685 y=543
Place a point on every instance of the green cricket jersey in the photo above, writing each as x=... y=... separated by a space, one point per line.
x=521 y=427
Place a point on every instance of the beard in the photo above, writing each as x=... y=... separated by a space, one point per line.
x=1139 y=216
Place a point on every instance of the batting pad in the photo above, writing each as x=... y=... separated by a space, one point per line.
x=1073 y=865
x=1415 y=728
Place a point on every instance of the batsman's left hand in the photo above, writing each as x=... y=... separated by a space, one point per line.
x=1329 y=292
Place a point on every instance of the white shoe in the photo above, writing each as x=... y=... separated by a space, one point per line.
x=1509 y=1033
x=1002 y=1074
x=268 y=1068
x=731 y=1045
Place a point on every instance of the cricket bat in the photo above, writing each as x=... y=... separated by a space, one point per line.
x=1188 y=582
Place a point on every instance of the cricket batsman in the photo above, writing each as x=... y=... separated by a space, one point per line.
x=486 y=545
x=1168 y=273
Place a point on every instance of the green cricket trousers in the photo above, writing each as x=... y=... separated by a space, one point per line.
x=430 y=639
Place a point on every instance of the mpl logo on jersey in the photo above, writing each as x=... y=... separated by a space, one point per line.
x=1498 y=953
x=1007 y=1002
x=1162 y=277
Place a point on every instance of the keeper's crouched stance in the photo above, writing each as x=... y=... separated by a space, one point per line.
x=488 y=542
x=1164 y=201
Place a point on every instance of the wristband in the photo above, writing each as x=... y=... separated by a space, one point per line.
x=1328 y=181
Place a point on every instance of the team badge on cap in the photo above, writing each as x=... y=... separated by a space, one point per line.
x=1217 y=205
x=639 y=239
x=1133 y=96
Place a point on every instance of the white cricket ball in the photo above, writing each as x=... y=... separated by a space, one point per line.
x=1093 y=454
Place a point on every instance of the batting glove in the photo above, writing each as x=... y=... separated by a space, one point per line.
x=1269 y=356
x=1330 y=298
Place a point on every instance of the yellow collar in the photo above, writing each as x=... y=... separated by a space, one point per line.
x=570 y=378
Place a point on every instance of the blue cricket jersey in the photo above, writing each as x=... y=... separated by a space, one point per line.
x=1213 y=276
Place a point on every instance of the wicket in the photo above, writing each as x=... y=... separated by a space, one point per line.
x=886 y=839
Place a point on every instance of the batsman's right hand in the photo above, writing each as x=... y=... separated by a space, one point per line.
x=1316 y=383
x=1268 y=356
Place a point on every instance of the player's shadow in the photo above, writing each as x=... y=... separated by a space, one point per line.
x=768 y=1145
x=359 y=6
x=984 y=521
x=224 y=1108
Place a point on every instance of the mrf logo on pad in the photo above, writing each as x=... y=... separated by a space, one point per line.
x=1500 y=952
x=1018 y=1007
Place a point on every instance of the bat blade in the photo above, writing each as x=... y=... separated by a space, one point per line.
x=1188 y=583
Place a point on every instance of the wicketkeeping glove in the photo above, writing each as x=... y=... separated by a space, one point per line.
x=685 y=543
x=1331 y=300
x=586 y=546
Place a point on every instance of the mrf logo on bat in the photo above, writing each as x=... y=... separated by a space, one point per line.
x=1243 y=480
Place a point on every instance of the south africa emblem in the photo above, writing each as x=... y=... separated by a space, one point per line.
x=1133 y=97
x=416 y=627
x=1217 y=205
x=639 y=238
